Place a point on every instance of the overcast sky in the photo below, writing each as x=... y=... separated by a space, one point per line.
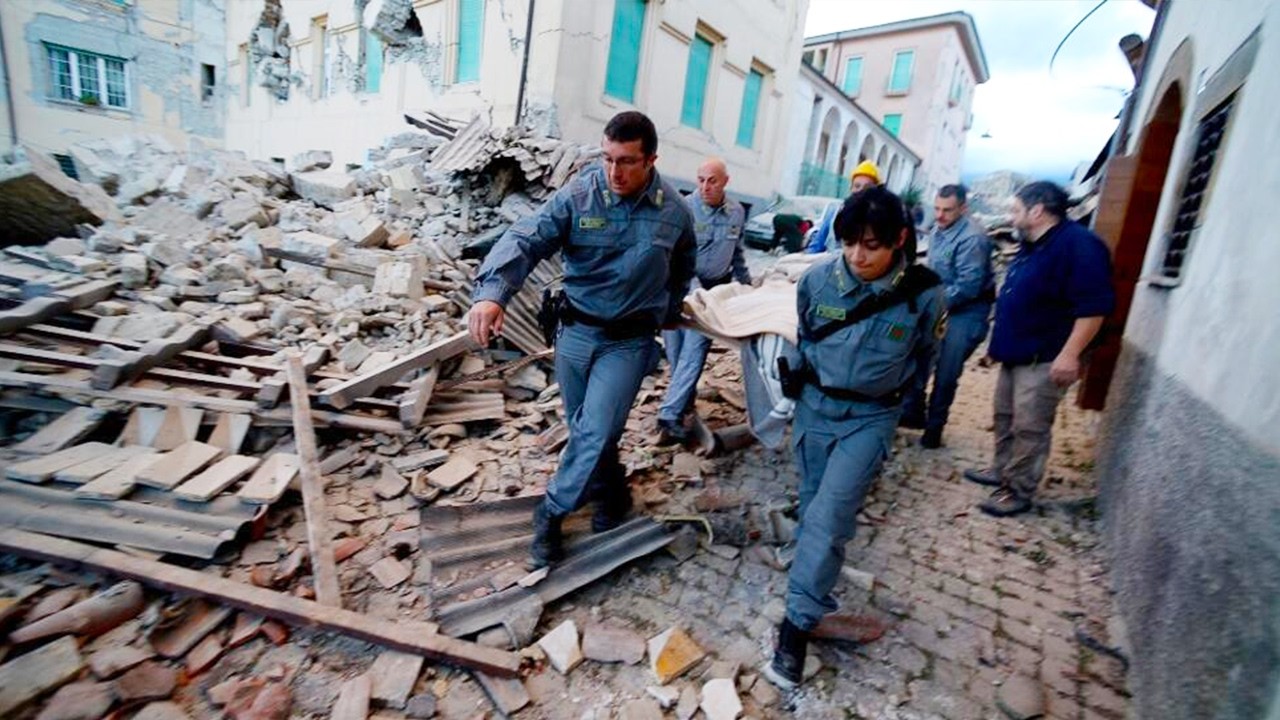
x=1040 y=124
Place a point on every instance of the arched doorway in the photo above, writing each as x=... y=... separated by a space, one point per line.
x=847 y=149
x=868 y=148
x=882 y=161
x=1144 y=173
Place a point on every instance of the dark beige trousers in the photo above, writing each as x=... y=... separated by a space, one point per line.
x=1025 y=404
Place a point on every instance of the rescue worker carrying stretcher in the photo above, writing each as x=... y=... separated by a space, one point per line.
x=869 y=316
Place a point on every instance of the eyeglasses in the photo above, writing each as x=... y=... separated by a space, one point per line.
x=625 y=162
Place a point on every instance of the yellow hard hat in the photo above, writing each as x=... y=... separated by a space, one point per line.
x=868 y=168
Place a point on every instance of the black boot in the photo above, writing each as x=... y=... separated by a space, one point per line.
x=546 y=547
x=613 y=499
x=787 y=668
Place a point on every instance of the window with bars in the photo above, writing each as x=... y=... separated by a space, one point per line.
x=87 y=78
x=1195 y=187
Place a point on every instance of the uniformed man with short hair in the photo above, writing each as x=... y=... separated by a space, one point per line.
x=629 y=253
x=868 y=317
x=717 y=221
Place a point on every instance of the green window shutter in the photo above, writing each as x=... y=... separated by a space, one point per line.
x=750 y=107
x=624 y=49
x=900 y=79
x=372 y=63
x=852 y=76
x=695 y=81
x=470 y=27
x=893 y=123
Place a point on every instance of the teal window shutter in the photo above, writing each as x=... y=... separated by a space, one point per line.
x=372 y=63
x=852 y=76
x=900 y=79
x=750 y=108
x=893 y=123
x=470 y=26
x=695 y=81
x=624 y=50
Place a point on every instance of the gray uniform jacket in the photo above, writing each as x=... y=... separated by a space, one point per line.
x=719 y=231
x=961 y=255
x=876 y=356
x=623 y=258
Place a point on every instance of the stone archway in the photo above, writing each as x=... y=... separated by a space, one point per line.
x=826 y=150
x=1143 y=174
x=882 y=160
x=868 y=149
x=847 y=162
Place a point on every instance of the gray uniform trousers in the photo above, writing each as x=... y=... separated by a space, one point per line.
x=1025 y=404
x=965 y=332
x=838 y=460
x=686 y=354
x=599 y=380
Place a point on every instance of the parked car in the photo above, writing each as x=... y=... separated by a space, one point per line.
x=759 y=231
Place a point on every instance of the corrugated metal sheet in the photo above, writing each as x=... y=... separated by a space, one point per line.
x=151 y=520
x=470 y=149
x=471 y=546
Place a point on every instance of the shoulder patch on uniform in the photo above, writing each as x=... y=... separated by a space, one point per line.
x=831 y=313
x=897 y=333
x=592 y=223
x=734 y=231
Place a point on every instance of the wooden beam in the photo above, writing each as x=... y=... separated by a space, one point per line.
x=37 y=310
x=364 y=385
x=133 y=364
x=169 y=398
x=405 y=635
x=324 y=570
x=413 y=404
x=352 y=268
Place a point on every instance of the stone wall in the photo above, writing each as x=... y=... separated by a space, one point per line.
x=1192 y=511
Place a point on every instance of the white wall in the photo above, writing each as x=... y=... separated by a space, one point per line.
x=1218 y=332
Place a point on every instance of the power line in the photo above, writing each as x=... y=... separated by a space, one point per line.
x=1069 y=34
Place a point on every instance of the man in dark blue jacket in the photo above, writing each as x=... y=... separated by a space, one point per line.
x=1055 y=296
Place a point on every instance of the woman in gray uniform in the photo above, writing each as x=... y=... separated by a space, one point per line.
x=868 y=317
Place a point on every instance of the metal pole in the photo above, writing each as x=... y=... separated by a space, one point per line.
x=524 y=65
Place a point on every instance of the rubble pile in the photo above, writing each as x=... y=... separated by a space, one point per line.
x=156 y=334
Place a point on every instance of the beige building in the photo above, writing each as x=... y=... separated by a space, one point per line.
x=917 y=78
x=79 y=70
x=714 y=76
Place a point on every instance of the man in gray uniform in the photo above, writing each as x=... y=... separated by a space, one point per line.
x=629 y=252
x=960 y=253
x=717 y=221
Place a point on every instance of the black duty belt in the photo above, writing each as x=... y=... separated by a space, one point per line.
x=890 y=400
x=625 y=328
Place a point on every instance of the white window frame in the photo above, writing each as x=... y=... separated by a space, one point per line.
x=73 y=59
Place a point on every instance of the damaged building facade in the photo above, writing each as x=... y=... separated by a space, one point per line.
x=80 y=70
x=341 y=75
x=1190 y=456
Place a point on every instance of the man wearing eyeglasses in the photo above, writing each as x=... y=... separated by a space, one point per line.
x=629 y=253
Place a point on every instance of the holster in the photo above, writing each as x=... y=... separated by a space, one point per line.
x=551 y=313
x=792 y=380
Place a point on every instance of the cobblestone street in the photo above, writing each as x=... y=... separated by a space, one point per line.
x=970 y=599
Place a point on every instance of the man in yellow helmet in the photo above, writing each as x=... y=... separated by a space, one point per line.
x=865 y=175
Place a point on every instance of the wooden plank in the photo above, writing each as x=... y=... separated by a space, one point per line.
x=101 y=465
x=406 y=635
x=35 y=310
x=229 y=432
x=29 y=676
x=179 y=426
x=413 y=404
x=364 y=385
x=323 y=568
x=169 y=397
x=177 y=465
x=40 y=469
x=118 y=482
x=115 y=371
x=269 y=482
x=67 y=430
x=353 y=699
x=219 y=477
x=446 y=410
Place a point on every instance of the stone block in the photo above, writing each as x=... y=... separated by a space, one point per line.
x=398 y=279
x=720 y=700
x=603 y=643
x=326 y=188
x=561 y=647
x=313 y=245
x=240 y=211
x=672 y=653
x=38 y=202
x=311 y=160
